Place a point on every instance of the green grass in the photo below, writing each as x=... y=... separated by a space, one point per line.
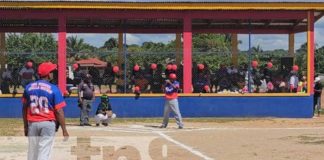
x=11 y=126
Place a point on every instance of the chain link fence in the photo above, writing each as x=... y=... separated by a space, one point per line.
x=115 y=72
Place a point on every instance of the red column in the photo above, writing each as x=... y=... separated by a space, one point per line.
x=187 y=55
x=62 y=53
x=310 y=46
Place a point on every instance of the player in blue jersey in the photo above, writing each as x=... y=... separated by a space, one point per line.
x=42 y=106
x=171 y=101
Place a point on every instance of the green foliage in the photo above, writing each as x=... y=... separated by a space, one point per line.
x=30 y=46
x=213 y=49
x=319 y=60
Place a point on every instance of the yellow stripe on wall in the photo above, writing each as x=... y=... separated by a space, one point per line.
x=165 y=6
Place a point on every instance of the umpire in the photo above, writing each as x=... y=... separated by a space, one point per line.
x=42 y=106
x=86 y=97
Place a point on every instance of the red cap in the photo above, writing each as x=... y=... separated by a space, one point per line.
x=75 y=66
x=45 y=68
x=29 y=64
x=137 y=88
x=254 y=64
x=173 y=76
x=269 y=65
x=136 y=67
x=169 y=67
x=153 y=66
x=200 y=66
x=174 y=67
x=295 y=68
x=206 y=88
x=115 y=69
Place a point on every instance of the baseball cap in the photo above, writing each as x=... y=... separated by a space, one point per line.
x=46 y=68
x=317 y=79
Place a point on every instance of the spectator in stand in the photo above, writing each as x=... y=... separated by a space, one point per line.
x=232 y=69
x=180 y=77
x=27 y=74
x=169 y=69
x=77 y=74
x=293 y=79
x=256 y=76
x=109 y=76
x=267 y=72
x=317 y=95
x=156 y=78
x=141 y=82
x=302 y=85
x=200 y=80
x=6 y=79
x=15 y=80
x=96 y=78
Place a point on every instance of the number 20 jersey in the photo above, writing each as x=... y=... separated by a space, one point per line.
x=42 y=99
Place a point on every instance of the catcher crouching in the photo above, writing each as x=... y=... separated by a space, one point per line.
x=104 y=114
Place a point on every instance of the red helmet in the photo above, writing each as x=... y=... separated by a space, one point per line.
x=75 y=66
x=136 y=88
x=200 y=66
x=295 y=68
x=174 y=67
x=169 y=67
x=136 y=67
x=254 y=64
x=269 y=65
x=173 y=76
x=115 y=69
x=153 y=66
x=206 y=88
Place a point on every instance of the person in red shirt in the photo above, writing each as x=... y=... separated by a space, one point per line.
x=171 y=101
x=42 y=106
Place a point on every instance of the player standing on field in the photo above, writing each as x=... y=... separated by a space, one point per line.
x=171 y=101
x=42 y=106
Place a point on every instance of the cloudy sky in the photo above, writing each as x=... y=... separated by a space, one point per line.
x=267 y=42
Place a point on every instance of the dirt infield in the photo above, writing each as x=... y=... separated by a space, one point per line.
x=229 y=139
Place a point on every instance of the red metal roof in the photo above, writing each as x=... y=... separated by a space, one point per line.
x=92 y=62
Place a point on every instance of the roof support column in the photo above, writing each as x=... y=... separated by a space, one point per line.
x=62 y=53
x=178 y=48
x=120 y=49
x=187 y=55
x=3 y=59
x=291 y=49
x=234 y=49
x=310 y=52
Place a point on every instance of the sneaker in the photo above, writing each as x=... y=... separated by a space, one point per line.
x=105 y=124
x=97 y=124
x=162 y=126
x=81 y=124
x=87 y=124
x=180 y=127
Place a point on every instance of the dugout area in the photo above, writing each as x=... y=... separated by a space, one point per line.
x=183 y=19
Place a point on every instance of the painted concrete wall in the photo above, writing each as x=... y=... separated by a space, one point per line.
x=292 y=107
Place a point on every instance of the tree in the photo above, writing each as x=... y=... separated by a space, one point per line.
x=37 y=46
x=77 y=45
x=110 y=44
